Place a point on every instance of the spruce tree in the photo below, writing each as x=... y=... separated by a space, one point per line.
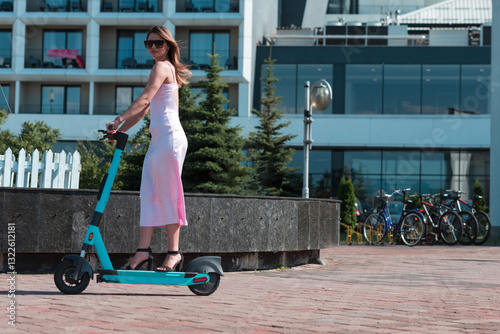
x=348 y=206
x=214 y=160
x=481 y=203
x=267 y=148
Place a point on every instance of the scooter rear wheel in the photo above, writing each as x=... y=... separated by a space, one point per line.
x=64 y=282
x=208 y=288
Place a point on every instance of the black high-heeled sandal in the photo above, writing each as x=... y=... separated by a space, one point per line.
x=177 y=267
x=148 y=260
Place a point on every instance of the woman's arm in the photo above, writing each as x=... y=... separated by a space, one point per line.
x=134 y=120
x=159 y=74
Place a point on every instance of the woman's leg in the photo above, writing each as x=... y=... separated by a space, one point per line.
x=173 y=245
x=145 y=234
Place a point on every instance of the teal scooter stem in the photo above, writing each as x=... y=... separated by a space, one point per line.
x=72 y=275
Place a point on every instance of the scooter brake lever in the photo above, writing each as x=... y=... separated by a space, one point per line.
x=106 y=135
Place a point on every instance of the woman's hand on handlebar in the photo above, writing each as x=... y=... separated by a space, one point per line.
x=112 y=127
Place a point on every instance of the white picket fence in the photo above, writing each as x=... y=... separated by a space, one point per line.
x=54 y=170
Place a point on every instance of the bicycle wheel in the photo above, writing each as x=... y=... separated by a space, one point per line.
x=470 y=228
x=450 y=227
x=374 y=228
x=412 y=229
x=484 y=223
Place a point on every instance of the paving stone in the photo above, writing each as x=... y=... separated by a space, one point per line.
x=361 y=289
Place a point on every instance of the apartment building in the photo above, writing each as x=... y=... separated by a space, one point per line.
x=77 y=63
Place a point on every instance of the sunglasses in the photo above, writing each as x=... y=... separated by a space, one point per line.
x=157 y=43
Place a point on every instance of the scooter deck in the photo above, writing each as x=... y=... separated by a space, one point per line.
x=151 y=277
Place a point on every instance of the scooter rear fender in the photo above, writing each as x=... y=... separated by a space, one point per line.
x=85 y=265
x=205 y=265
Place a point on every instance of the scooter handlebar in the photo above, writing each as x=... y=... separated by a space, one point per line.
x=120 y=137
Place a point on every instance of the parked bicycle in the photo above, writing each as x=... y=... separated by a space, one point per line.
x=410 y=227
x=441 y=222
x=470 y=227
x=483 y=220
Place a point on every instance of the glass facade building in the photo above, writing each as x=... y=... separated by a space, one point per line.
x=397 y=88
x=391 y=89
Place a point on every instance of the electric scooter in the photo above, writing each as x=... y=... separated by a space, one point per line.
x=72 y=275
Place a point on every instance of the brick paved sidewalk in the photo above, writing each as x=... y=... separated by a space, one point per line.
x=362 y=289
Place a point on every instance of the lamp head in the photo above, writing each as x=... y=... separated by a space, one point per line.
x=321 y=95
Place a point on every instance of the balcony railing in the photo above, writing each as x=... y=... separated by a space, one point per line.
x=54 y=109
x=56 y=6
x=152 y=6
x=207 y=6
x=35 y=58
x=123 y=58
x=199 y=60
x=5 y=57
x=107 y=109
x=6 y=6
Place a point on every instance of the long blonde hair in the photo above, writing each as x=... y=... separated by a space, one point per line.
x=182 y=72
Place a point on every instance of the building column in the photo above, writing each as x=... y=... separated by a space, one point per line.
x=244 y=103
x=93 y=7
x=169 y=8
x=92 y=56
x=246 y=58
x=495 y=124
x=19 y=7
x=18 y=45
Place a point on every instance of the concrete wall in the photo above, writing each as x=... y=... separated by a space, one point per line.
x=251 y=231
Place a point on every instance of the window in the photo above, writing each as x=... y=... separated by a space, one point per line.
x=56 y=5
x=131 y=50
x=401 y=169
x=125 y=96
x=320 y=175
x=440 y=88
x=5 y=48
x=434 y=163
x=363 y=89
x=372 y=170
x=204 y=43
x=285 y=87
x=362 y=162
x=138 y=5
x=290 y=86
x=342 y=7
x=58 y=39
x=61 y=100
x=402 y=89
x=6 y=90
x=475 y=90
x=312 y=73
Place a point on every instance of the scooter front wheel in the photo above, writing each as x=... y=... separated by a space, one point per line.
x=208 y=288
x=64 y=282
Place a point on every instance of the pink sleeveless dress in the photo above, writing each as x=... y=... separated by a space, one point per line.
x=162 y=195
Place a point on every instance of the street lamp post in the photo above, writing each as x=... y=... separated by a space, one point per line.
x=318 y=97
x=51 y=99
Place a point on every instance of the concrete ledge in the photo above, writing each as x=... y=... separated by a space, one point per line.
x=248 y=232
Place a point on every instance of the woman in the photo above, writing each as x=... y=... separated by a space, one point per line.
x=162 y=196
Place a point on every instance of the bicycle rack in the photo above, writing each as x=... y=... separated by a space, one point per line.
x=350 y=232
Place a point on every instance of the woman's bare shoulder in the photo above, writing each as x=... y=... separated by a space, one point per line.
x=163 y=69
